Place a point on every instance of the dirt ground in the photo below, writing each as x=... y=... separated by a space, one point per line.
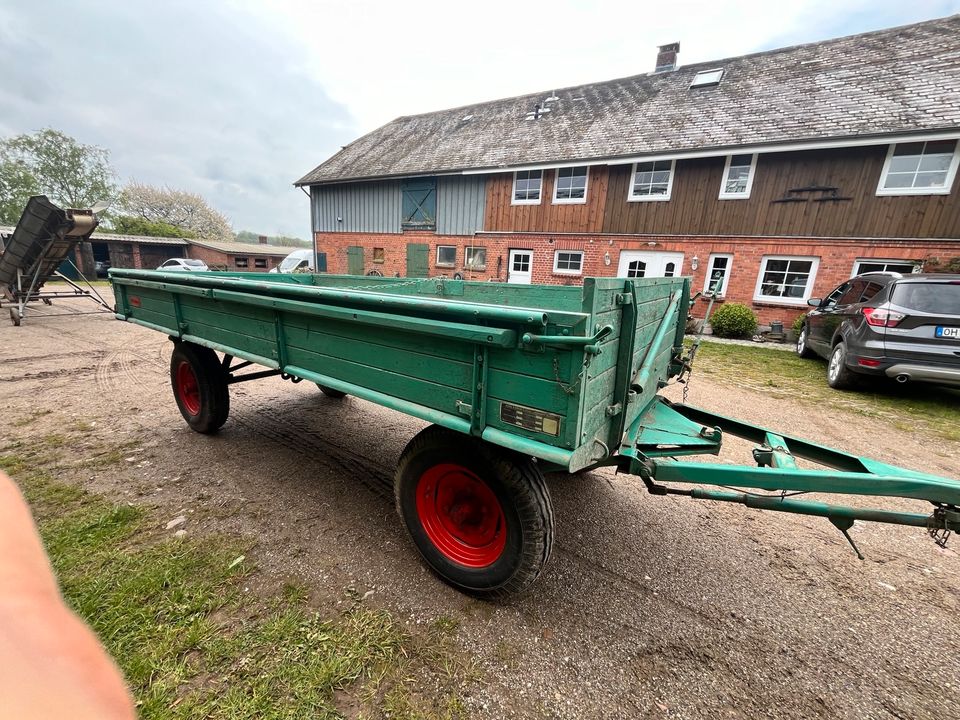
x=649 y=607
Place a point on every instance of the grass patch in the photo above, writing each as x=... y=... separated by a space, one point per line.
x=30 y=419
x=191 y=640
x=784 y=374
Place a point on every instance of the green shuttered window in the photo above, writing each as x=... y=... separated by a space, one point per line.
x=419 y=207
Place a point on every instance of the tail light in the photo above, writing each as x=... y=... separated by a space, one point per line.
x=880 y=317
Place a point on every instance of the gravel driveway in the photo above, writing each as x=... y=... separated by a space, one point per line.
x=650 y=607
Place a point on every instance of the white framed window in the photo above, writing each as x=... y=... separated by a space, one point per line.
x=786 y=279
x=651 y=180
x=526 y=187
x=867 y=265
x=718 y=274
x=446 y=255
x=571 y=185
x=738 y=177
x=920 y=168
x=475 y=258
x=569 y=262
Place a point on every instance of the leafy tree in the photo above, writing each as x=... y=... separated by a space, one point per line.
x=131 y=225
x=50 y=162
x=184 y=210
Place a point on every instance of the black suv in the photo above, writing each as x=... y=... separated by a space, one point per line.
x=905 y=327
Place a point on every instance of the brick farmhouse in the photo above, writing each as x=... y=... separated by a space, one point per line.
x=768 y=178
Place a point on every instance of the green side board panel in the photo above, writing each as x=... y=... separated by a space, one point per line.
x=517 y=361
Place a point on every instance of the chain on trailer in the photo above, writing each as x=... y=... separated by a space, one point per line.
x=686 y=371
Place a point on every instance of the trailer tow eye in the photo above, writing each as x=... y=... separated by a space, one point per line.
x=843 y=525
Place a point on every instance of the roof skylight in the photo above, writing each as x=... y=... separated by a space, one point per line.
x=705 y=78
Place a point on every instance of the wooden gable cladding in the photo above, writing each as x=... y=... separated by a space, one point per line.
x=695 y=209
x=502 y=216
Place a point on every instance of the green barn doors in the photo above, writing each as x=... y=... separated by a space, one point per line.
x=417 y=260
x=355 y=260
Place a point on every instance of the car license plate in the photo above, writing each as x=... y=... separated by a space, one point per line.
x=947 y=332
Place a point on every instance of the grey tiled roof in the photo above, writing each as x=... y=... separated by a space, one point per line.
x=899 y=80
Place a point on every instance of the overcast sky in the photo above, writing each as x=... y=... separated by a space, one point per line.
x=236 y=99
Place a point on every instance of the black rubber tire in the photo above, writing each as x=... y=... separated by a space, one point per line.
x=519 y=486
x=330 y=392
x=212 y=384
x=803 y=349
x=839 y=376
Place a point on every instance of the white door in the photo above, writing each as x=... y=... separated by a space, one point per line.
x=636 y=264
x=519 y=267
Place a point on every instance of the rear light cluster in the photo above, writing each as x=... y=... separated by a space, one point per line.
x=879 y=317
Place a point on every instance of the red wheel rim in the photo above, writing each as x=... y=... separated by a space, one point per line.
x=461 y=515
x=188 y=389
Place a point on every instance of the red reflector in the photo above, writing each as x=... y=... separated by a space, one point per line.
x=135 y=301
x=879 y=317
x=867 y=362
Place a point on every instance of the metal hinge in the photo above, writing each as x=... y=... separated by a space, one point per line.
x=464 y=408
x=613 y=410
x=624 y=299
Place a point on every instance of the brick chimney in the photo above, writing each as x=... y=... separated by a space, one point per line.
x=667 y=58
x=262 y=239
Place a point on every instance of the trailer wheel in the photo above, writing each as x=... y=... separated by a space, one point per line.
x=199 y=387
x=481 y=517
x=330 y=392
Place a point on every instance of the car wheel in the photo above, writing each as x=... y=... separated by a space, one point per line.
x=802 y=349
x=839 y=376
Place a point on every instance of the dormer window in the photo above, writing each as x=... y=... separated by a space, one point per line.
x=706 y=78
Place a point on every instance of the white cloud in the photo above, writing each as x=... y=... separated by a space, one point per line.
x=386 y=59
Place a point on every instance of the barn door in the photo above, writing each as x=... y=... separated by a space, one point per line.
x=355 y=260
x=417 y=254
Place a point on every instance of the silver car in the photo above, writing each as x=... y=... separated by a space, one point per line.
x=183 y=265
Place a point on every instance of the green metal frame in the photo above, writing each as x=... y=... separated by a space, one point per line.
x=667 y=431
x=596 y=355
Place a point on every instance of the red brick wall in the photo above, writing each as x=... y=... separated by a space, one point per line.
x=837 y=256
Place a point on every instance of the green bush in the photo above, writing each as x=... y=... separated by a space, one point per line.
x=798 y=323
x=733 y=320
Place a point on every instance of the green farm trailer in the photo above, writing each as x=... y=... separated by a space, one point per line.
x=516 y=381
